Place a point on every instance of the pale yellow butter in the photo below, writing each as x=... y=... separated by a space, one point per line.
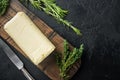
x=29 y=38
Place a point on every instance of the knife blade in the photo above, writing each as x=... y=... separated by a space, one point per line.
x=15 y=60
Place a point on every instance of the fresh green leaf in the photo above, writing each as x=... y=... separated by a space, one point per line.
x=68 y=58
x=3 y=6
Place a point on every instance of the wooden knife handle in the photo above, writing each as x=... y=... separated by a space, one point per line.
x=27 y=75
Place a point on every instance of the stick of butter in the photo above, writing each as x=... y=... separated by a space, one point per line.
x=29 y=38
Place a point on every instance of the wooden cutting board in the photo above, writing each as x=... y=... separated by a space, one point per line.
x=48 y=66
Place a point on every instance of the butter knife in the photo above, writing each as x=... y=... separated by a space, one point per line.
x=14 y=58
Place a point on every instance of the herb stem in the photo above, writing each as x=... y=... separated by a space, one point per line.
x=67 y=59
x=50 y=7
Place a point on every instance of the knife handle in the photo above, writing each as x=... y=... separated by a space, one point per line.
x=27 y=75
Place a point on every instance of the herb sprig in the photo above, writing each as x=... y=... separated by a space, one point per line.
x=50 y=7
x=3 y=6
x=68 y=58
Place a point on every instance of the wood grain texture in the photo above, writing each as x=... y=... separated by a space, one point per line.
x=48 y=66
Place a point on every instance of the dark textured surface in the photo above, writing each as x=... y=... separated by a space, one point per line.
x=99 y=21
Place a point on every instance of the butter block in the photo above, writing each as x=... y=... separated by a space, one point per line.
x=29 y=38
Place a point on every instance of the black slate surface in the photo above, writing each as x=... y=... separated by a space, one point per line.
x=99 y=21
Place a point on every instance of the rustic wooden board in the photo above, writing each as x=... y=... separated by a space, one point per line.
x=48 y=66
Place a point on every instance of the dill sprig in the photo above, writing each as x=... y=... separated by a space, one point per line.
x=67 y=59
x=3 y=6
x=50 y=7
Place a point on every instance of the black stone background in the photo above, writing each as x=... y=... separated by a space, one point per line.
x=99 y=21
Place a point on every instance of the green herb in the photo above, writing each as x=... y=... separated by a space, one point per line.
x=50 y=7
x=3 y=6
x=68 y=58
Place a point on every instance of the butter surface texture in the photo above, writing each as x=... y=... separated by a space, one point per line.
x=29 y=38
